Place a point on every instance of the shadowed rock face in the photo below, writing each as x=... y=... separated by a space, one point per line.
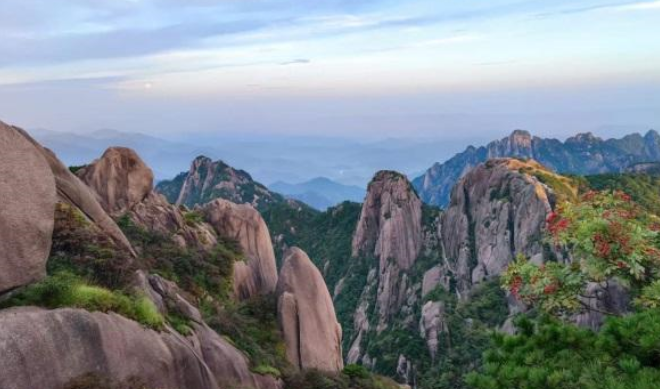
x=120 y=179
x=307 y=316
x=390 y=229
x=496 y=212
x=27 y=190
x=258 y=274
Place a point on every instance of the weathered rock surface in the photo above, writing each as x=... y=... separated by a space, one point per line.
x=497 y=211
x=71 y=190
x=207 y=180
x=432 y=324
x=156 y=214
x=242 y=223
x=307 y=316
x=390 y=230
x=28 y=193
x=120 y=179
x=46 y=349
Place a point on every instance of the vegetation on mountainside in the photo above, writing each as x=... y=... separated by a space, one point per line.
x=470 y=323
x=552 y=354
x=610 y=238
x=62 y=290
x=642 y=188
x=198 y=272
x=348 y=379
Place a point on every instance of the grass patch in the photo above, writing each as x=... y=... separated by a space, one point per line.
x=267 y=370
x=66 y=290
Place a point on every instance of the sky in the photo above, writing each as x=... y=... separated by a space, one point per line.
x=364 y=69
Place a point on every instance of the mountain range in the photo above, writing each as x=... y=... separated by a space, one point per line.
x=320 y=193
x=581 y=154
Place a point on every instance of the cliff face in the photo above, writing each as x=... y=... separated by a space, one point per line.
x=389 y=230
x=242 y=223
x=208 y=180
x=581 y=154
x=50 y=348
x=28 y=204
x=498 y=210
x=307 y=316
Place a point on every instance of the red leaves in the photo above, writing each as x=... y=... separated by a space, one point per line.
x=550 y=289
x=515 y=287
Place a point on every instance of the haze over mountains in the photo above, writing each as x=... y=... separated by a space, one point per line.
x=320 y=192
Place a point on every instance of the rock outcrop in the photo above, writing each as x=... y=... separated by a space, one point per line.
x=390 y=230
x=28 y=196
x=497 y=211
x=47 y=348
x=307 y=316
x=208 y=180
x=120 y=179
x=71 y=190
x=242 y=223
x=581 y=154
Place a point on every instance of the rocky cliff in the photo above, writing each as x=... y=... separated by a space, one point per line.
x=307 y=316
x=581 y=154
x=99 y=313
x=257 y=274
x=497 y=211
x=207 y=180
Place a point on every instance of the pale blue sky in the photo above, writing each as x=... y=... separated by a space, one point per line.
x=330 y=67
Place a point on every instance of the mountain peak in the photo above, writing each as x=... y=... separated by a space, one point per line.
x=584 y=137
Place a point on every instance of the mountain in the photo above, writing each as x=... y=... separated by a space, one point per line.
x=102 y=275
x=581 y=154
x=320 y=192
x=207 y=180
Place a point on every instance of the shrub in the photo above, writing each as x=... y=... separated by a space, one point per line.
x=356 y=371
x=66 y=290
x=267 y=370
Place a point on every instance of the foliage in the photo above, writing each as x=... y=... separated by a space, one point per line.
x=74 y=169
x=193 y=218
x=314 y=379
x=624 y=354
x=80 y=248
x=252 y=327
x=198 y=272
x=469 y=325
x=356 y=371
x=66 y=290
x=609 y=237
x=642 y=188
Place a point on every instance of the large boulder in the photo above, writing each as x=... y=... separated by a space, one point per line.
x=45 y=349
x=120 y=179
x=28 y=194
x=307 y=316
x=242 y=223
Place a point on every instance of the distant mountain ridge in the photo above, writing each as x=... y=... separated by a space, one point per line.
x=207 y=180
x=583 y=153
x=321 y=192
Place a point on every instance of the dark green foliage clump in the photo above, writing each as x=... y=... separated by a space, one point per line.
x=80 y=248
x=74 y=169
x=624 y=354
x=314 y=379
x=252 y=327
x=643 y=188
x=198 y=272
x=470 y=325
x=66 y=290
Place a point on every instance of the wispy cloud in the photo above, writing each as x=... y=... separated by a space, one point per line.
x=300 y=61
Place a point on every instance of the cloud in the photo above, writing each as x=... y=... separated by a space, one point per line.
x=300 y=61
x=612 y=7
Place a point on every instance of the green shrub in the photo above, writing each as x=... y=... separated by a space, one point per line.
x=66 y=290
x=267 y=370
x=356 y=371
